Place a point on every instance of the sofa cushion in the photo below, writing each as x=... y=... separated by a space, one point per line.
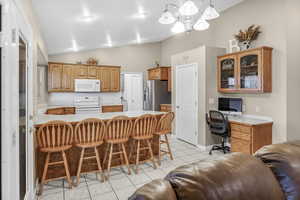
x=284 y=161
x=155 y=190
x=234 y=176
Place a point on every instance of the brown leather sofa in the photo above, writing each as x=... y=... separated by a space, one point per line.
x=273 y=173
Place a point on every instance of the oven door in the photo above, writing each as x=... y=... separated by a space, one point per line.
x=88 y=110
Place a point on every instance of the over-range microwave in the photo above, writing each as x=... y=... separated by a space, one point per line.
x=87 y=85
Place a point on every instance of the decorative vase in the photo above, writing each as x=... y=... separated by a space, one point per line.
x=245 y=45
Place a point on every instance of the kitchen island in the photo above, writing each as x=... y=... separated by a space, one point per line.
x=73 y=154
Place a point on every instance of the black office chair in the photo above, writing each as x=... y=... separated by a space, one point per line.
x=218 y=125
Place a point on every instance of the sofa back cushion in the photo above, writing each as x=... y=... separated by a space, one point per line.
x=234 y=176
x=284 y=161
x=155 y=190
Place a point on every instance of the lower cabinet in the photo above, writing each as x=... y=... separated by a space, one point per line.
x=165 y=107
x=112 y=108
x=249 y=138
x=61 y=111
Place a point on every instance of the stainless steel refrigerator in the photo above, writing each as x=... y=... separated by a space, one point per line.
x=156 y=93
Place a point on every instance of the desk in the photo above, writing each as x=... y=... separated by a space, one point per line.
x=249 y=133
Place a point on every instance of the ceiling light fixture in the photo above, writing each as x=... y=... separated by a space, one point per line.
x=167 y=18
x=178 y=27
x=210 y=12
x=188 y=8
x=201 y=25
x=187 y=18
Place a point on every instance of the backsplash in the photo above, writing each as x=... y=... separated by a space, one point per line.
x=67 y=99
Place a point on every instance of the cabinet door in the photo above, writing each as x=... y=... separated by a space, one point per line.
x=81 y=72
x=250 y=71
x=169 y=79
x=103 y=74
x=55 y=77
x=92 y=72
x=227 y=73
x=67 y=78
x=154 y=74
x=115 y=80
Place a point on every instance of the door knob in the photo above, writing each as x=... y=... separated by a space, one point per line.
x=177 y=107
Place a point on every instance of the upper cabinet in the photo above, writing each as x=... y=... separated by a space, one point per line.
x=61 y=76
x=110 y=78
x=247 y=71
x=55 y=74
x=158 y=73
x=169 y=79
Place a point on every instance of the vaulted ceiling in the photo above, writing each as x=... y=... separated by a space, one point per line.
x=76 y=25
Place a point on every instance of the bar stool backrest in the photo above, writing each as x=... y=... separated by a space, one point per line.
x=165 y=123
x=55 y=134
x=91 y=130
x=145 y=126
x=119 y=128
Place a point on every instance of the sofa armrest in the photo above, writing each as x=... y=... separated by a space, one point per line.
x=156 y=190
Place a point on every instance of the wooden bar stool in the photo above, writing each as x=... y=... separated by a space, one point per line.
x=144 y=128
x=118 y=133
x=55 y=137
x=164 y=128
x=89 y=135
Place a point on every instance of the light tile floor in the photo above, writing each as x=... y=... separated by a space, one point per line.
x=121 y=185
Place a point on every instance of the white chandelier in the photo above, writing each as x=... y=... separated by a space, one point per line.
x=184 y=19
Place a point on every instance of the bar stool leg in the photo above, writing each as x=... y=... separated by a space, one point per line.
x=151 y=153
x=126 y=159
x=109 y=159
x=159 y=153
x=169 y=148
x=137 y=156
x=67 y=169
x=99 y=164
x=80 y=165
x=44 y=173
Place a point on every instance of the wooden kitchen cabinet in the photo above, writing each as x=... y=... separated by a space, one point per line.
x=55 y=77
x=165 y=107
x=249 y=138
x=247 y=71
x=67 y=78
x=169 y=79
x=112 y=108
x=92 y=72
x=81 y=72
x=61 y=76
x=158 y=73
x=114 y=79
x=61 y=111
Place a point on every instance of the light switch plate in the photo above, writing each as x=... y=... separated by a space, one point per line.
x=211 y=101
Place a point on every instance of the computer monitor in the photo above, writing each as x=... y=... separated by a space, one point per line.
x=230 y=105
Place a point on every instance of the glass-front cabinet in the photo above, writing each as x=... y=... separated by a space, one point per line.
x=247 y=71
x=227 y=73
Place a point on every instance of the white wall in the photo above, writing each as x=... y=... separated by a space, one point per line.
x=260 y=12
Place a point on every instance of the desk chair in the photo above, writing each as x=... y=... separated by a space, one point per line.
x=218 y=125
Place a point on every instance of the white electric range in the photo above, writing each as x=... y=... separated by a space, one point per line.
x=87 y=104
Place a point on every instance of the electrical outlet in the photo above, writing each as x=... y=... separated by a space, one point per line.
x=244 y=108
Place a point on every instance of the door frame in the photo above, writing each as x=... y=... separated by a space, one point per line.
x=15 y=25
x=123 y=83
x=195 y=65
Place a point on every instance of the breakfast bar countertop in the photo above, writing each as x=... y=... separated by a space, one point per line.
x=44 y=118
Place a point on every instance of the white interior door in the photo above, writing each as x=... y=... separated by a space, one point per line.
x=187 y=103
x=133 y=91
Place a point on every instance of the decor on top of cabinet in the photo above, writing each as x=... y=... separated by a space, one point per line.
x=246 y=37
x=92 y=61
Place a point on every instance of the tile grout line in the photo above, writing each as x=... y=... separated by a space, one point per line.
x=88 y=188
